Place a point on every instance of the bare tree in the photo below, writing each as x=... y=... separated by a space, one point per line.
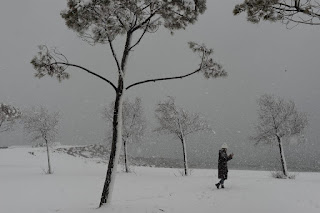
x=133 y=124
x=180 y=123
x=8 y=116
x=287 y=11
x=41 y=125
x=278 y=119
x=101 y=22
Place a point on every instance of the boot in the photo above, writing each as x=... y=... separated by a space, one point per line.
x=217 y=185
x=222 y=186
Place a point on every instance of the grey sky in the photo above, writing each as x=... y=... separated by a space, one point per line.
x=263 y=58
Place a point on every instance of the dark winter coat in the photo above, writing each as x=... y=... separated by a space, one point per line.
x=222 y=164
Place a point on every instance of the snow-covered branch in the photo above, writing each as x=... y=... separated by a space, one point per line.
x=40 y=124
x=278 y=119
x=176 y=121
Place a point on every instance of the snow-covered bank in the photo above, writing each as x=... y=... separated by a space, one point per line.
x=76 y=185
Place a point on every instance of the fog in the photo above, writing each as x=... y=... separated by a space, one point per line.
x=259 y=58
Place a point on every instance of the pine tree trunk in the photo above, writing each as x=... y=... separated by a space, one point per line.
x=185 y=161
x=117 y=128
x=125 y=156
x=115 y=151
x=282 y=157
x=49 y=164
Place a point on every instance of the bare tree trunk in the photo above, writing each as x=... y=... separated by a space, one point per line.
x=185 y=161
x=125 y=156
x=49 y=164
x=184 y=148
x=115 y=148
x=282 y=157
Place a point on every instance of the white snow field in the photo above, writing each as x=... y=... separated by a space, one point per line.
x=76 y=185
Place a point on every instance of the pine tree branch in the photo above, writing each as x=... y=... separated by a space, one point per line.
x=144 y=22
x=120 y=21
x=149 y=18
x=85 y=69
x=144 y=32
x=114 y=54
x=163 y=79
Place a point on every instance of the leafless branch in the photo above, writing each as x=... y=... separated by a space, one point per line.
x=278 y=118
x=133 y=122
x=177 y=121
x=40 y=124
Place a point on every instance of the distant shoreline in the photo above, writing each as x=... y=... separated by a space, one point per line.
x=102 y=152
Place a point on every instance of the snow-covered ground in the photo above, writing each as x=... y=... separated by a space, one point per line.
x=76 y=185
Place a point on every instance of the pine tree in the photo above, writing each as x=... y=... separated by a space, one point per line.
x=101 y=22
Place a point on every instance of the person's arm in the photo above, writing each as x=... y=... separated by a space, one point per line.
x=230 y=157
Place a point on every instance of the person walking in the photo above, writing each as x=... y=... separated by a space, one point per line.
x=223 y=165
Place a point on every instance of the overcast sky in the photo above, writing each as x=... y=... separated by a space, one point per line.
x=260 y=58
